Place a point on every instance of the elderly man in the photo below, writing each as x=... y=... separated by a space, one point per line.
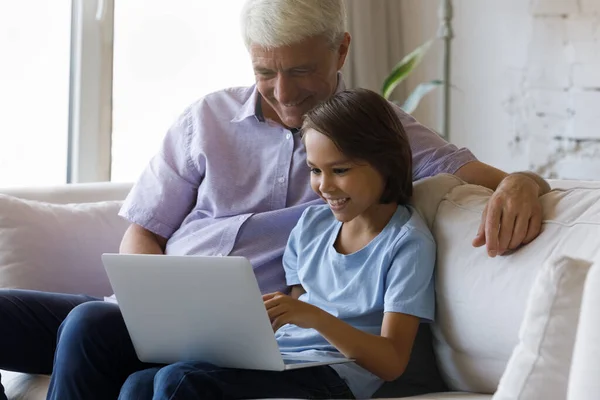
x=231 y=179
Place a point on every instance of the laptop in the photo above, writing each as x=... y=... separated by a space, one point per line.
x=198 y=308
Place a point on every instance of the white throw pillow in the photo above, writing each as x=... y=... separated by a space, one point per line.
x=584 y=379
x=539 y=366
x=57 y=248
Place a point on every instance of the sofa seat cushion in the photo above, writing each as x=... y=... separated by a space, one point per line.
x=25 y=386
x=35 y=387
x=452 y=396
x=481 y=300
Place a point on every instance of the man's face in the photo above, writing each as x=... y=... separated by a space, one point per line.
x=293 y=79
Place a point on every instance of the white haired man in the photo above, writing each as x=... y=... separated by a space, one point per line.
x=231 y=179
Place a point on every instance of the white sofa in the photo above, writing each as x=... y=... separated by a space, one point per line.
x=481 y=301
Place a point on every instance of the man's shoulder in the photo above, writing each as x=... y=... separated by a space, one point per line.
x=224 y=102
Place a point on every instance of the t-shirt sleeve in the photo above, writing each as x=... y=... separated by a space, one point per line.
x=167 y=188
x=432 y=155
x=409 y=284
x=290 y=254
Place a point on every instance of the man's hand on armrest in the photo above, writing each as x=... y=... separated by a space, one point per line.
x=513 y=215
x=138 y=240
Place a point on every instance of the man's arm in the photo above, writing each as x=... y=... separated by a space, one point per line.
x=515 y=204
x=478 y=173
x=138 y=240
x=166 y=191
x=513 y=215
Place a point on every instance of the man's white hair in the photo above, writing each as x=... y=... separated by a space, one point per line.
x=277 y=23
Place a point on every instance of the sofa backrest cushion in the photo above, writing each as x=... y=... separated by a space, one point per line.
x=428 y=193
x=72 y=193
x=481 y=300
x=57 y=248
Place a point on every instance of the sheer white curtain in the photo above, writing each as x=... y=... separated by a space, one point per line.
x=377 y=43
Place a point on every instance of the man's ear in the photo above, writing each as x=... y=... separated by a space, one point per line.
x=343 y=50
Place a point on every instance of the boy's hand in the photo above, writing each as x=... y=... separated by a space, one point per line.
x=283 y=309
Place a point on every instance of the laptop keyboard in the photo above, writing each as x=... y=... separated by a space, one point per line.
x=303 y=359
x=290 y=361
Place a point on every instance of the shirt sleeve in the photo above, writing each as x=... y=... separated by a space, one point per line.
x=167 y=189
x=409 y=285
x=432 y=155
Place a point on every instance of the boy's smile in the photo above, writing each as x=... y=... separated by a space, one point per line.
x=351 y=188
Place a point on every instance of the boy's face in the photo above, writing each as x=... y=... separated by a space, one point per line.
x=352 y=189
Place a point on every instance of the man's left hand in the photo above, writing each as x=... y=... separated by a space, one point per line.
x=512 y=216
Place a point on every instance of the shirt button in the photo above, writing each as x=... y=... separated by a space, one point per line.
x=281 y=180
x=288 y=136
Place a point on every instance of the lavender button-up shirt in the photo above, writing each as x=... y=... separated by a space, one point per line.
x=226 y=182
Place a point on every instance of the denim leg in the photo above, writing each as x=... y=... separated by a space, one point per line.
x=139 y=385
x=94 y=355
x=29 y=323
x=184 y=381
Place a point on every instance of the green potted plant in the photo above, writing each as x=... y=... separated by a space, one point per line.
x=402 y=70
x=405 y=67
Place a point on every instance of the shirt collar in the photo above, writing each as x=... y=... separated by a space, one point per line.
x=253 y=107
x=341 y=86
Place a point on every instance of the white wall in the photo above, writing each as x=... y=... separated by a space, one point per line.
x=528 y=84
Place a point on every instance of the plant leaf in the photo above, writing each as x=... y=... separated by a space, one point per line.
x=412 y=102
x=404 y=68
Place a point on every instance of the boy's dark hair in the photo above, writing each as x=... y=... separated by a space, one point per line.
x=364 y=126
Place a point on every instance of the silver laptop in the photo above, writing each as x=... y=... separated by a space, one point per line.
x=195 y=308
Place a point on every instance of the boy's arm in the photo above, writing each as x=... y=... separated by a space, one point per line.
x=408 y=297
x=385 y=356
x=297 y=291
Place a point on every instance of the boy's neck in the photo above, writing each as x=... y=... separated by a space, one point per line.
x=358 y=233
x=373 y=222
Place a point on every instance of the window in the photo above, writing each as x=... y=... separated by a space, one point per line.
x=166 y=56
x=88 y=88
x=34 y=91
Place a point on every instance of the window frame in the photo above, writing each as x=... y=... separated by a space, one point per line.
x=90 y=91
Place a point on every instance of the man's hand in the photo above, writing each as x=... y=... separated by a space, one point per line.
x=512 y=216
x=283 y=309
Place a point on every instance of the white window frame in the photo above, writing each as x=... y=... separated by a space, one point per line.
x=90 y=104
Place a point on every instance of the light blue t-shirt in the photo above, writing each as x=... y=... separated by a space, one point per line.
x=393 y=273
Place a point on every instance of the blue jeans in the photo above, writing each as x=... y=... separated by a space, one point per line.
x=81 y=341
x=29 y=323
x=184 y=381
